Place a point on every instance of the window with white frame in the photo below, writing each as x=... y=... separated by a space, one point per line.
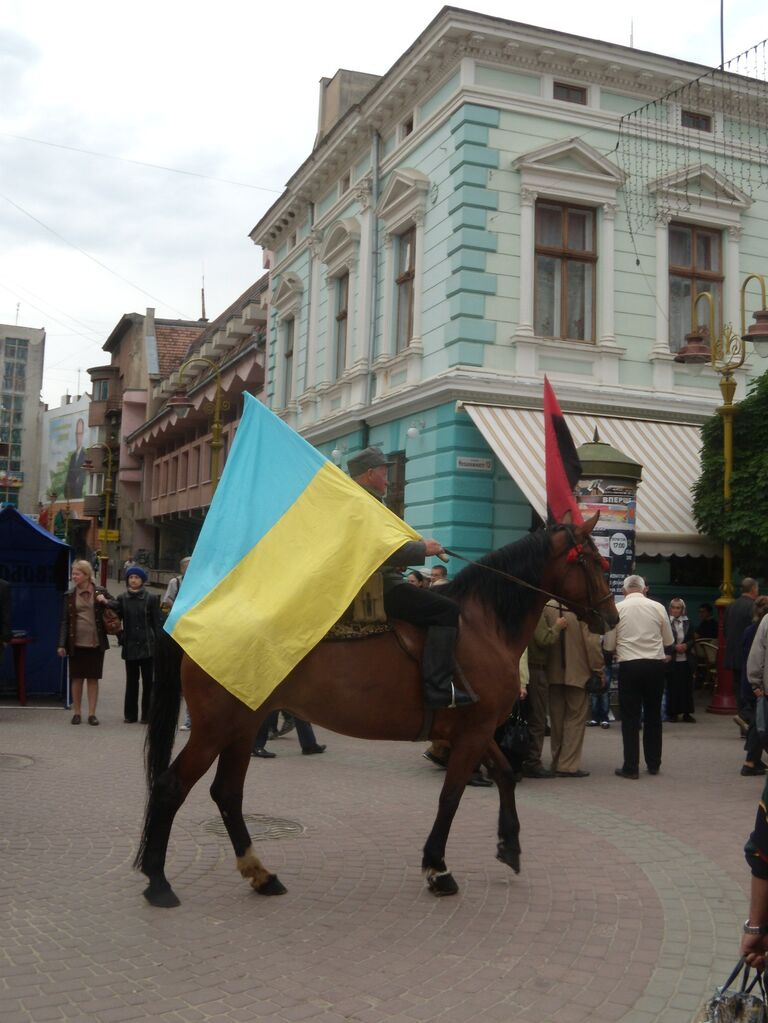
x=402 y=209
x=564 y=283
x=289 y=328
x=695 y=265
x=341 y=324
x=404 y=283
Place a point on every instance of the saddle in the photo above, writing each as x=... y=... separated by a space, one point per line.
x=410 y=637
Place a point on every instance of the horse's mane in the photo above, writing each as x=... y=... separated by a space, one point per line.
x=506 y=600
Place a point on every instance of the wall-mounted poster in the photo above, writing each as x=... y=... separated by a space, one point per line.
x=68 y=440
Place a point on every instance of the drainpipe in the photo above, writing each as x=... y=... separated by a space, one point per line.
x=375 y=150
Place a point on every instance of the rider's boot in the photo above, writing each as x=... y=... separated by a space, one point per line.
x=439 y=670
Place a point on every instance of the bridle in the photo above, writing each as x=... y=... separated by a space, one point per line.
x=576 y=556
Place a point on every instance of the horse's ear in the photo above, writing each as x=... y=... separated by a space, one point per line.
x=567 y=519
x=589 y=524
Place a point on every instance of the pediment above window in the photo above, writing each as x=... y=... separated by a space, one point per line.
x=570 y=168
x=700 y=189
x=342 y=244
x=403 y=201
x=287 y=297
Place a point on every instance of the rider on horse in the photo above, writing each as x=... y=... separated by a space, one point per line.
x=422 y=607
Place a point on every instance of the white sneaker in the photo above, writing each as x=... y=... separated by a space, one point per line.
x=604 y=724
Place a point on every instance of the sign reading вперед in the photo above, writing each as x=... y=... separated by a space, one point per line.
x=108 y=535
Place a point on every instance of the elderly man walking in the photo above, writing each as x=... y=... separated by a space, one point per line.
x=639 y=641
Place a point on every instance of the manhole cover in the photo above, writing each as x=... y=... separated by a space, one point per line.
x=14 y=762
x=260 y=827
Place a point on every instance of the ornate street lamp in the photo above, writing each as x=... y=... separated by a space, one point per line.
x=89 y=467
x=181 y=404
x=726 y=353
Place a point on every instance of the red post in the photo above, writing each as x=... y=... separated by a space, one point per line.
x=724 y=698
x=103 y=563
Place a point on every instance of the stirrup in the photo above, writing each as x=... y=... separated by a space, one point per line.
x=464 y=698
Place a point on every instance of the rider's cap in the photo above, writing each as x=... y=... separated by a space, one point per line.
x=368 y=458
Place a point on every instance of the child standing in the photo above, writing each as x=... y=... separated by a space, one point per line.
x=140 y=613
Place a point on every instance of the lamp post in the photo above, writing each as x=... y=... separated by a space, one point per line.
x=88 y=465
x=181 y=405
x=726 y=353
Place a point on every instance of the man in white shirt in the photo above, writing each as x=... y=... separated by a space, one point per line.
x=639 y=640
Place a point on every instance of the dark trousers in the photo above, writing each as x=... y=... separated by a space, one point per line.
x=641 y=687
x=752 y=743
x=421 y=607
x=304 y=731
x=131 y=703
x=679 y=689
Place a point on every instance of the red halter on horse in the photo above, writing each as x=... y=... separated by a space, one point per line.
x=371 y=689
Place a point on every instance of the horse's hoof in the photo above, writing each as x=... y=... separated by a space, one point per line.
x=272 y=886
x=442 y=884
x=162 y=896
x=509 y=856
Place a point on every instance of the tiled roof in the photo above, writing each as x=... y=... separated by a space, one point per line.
x=173 y=343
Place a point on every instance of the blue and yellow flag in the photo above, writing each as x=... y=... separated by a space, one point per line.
x=287 y=543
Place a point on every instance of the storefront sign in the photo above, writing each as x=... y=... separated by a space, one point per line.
x=474 y=464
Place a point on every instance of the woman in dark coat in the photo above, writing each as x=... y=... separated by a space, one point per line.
x=140 y=613
x=83 y=639
x=679 y=672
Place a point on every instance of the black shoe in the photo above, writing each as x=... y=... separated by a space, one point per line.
x=259 y=751
x=622 y=772
x=428 y=755
x=571 y=774
x=317 y=748
x=653 y=770
x=537 y=772
x=129 y=721
x=93 y=720
x=76 y=719
x=749 y=772
x=689 y=719
x=478 y=780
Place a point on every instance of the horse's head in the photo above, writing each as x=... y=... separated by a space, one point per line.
x=579 y=575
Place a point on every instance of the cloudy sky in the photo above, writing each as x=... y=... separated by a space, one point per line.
x=227 y=91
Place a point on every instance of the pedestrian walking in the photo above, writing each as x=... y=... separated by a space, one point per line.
x=639 y=640
x=304 y=732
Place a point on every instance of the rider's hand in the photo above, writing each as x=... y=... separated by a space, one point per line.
x=433 y=547
x=562 y=623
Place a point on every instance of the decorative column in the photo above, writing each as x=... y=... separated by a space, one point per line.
x=527 y=260
x=731 y=307
x=607 y=262
x=661 y=344
x=418 y=278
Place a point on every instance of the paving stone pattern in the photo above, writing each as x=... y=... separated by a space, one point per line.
x=628 y=906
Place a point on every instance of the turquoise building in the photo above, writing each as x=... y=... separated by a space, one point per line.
x=509 y=202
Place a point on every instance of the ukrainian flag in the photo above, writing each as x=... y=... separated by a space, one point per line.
x=287 y=543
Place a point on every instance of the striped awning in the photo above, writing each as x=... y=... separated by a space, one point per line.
x=668 y=452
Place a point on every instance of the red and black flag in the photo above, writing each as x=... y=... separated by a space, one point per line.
x=561 y=463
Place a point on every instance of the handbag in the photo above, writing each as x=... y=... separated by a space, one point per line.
x=113 y=624
x=761 y=720
x=512 y=736
x=743 y=1006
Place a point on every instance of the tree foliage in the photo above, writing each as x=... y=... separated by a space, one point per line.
x=746 y=526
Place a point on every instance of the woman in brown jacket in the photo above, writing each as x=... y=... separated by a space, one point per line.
x=83 y=639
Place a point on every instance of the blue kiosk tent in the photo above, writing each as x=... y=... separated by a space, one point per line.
x=36 y=565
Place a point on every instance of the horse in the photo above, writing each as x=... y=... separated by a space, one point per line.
x=371 y=688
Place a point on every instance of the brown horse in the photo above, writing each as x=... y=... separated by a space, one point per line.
x=371 y=689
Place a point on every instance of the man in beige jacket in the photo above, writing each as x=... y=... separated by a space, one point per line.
x=575 y=656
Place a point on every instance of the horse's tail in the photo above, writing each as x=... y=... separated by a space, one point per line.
x=163 y=720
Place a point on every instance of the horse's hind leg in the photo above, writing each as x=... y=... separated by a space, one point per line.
x=508 y=848
x=168 y=793
x=227 y=793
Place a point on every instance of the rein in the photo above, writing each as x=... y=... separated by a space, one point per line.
x=537 y=589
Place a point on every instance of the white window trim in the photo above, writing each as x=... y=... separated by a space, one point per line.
x=402 y=206
x=543 y=177
x=340 y=254
x=286 y=302
x=722 y=211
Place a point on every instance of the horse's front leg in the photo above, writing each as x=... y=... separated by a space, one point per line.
x=508 y=848
x=227 y=793
x=464 y=757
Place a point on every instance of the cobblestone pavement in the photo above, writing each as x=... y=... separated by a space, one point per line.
x=628 y=907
